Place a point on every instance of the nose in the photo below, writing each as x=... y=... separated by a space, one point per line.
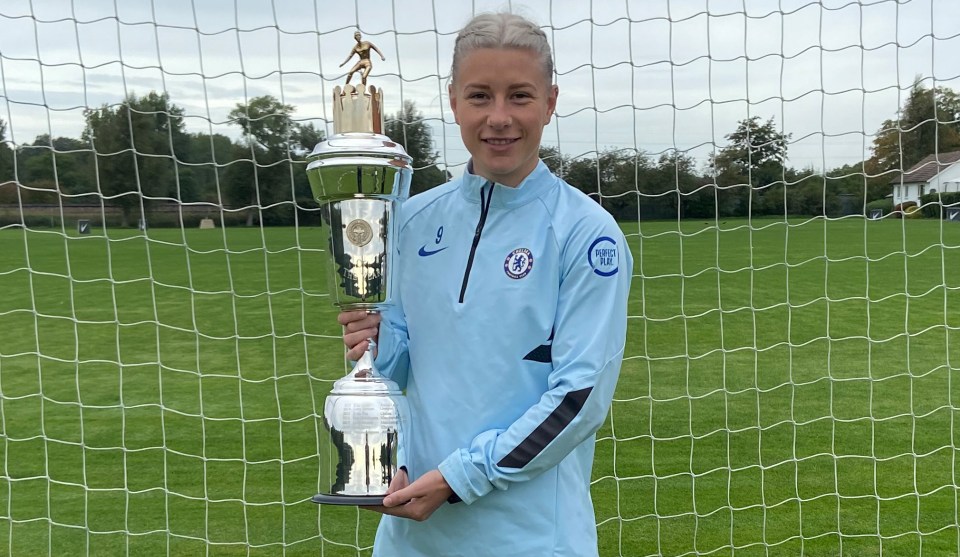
x=499 y=116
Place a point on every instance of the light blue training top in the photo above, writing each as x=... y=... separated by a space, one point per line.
x=508 y=337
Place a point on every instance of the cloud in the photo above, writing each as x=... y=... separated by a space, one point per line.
x=655 y=75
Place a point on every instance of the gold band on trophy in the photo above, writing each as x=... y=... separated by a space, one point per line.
x=356 y=110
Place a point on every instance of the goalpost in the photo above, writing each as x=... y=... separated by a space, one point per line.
x=166 y=331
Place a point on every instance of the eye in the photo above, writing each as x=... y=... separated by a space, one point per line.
x=477 y=96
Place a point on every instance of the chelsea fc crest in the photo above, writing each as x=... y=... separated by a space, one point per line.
x=518 y=264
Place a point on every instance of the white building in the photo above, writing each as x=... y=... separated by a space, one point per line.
x=935 y=173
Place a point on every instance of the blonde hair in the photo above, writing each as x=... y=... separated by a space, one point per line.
x=502 y=30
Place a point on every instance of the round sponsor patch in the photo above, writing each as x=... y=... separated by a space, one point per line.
x=602 y=256
x=518 y=264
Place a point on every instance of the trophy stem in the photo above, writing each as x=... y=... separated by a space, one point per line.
x=365 y=368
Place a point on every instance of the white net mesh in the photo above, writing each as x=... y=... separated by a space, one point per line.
x=787 y=386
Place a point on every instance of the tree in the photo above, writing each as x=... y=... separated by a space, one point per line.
x=928 y=122
x=135 y=143
x=276 y=152
x=753 y=160
x=265 y=177
x=6 y=169
x=555 y=160
x=265 y=121
x=64 y=161
x=753 y=147
x=615 y=178
x=853 y=188
x=207 y=156
x=676 y=173
x=408 y=128
x=304 y=137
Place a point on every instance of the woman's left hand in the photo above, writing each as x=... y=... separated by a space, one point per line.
x=418 y=500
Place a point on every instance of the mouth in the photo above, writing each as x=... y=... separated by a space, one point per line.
x=500 y=141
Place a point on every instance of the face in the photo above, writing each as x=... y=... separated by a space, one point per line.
x=502 y=99
x=356 y=36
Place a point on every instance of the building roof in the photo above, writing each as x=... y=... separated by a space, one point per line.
x=930 y=166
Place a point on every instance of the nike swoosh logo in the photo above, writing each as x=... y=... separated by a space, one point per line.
x=424 y=253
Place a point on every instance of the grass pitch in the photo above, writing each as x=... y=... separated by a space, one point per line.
x=788 y=388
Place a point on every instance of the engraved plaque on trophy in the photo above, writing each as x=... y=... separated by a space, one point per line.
x=360 y=177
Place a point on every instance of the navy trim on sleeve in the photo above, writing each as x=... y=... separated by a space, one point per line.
x=542 y=354
x=547 y=431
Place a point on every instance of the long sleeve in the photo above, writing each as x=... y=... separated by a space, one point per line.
x=393 y=359
x=586 y=353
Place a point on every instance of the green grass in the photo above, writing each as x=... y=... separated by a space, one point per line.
x=787 y=388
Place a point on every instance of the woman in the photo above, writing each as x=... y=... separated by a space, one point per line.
x=510 y=327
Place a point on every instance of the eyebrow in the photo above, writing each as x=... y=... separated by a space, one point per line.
x=521 y=85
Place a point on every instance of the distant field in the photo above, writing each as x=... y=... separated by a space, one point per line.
x=788 y=388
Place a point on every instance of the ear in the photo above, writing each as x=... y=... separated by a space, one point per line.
x=552 y=102
x=452 y=94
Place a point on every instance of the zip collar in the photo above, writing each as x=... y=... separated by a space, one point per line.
x=539 y=181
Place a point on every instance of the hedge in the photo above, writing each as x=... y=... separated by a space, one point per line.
x=932 y=204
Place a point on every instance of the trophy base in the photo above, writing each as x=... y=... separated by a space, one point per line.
x=348 y=500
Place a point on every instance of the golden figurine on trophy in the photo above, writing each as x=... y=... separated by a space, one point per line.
x=361 y=49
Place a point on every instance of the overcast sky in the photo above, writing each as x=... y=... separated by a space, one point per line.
x=654 y=75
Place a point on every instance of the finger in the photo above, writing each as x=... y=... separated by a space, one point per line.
x=371 y=322
x=431 y=488
x=378 y=509
x=360 y=325
x=399 y=482
x=403 y=511
x=345 y=317
x=415 y=509
x=357 y=351
x=402 y=496
x=353 y=339
x=392 y=511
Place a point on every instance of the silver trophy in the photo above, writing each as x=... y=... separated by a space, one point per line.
x=360 y=177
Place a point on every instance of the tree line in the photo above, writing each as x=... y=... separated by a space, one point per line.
x=137 y=154
x=750 y=174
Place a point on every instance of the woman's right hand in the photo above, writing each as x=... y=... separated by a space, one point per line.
x=358 y=327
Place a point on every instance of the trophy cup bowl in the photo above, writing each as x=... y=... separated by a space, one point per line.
x=360 y=179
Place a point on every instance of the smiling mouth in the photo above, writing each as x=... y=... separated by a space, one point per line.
x=499 y=141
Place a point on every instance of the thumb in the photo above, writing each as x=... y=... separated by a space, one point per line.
x=398 y=497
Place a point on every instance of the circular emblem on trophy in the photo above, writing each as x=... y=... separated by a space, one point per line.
x=359 y=232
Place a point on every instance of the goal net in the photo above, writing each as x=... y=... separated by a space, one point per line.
x=787 y=174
